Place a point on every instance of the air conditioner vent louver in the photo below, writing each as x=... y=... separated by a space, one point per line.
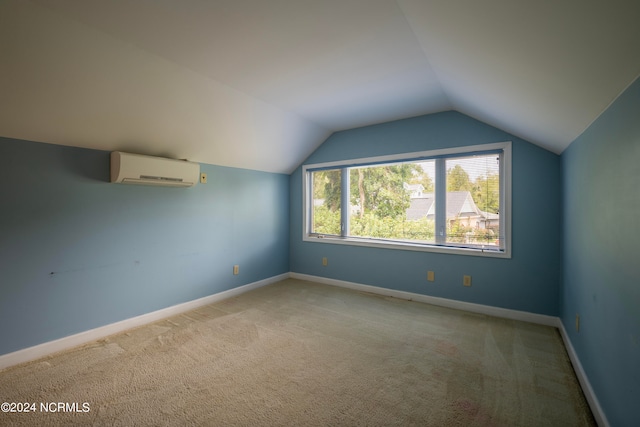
x=127 y=168
x=161 y=178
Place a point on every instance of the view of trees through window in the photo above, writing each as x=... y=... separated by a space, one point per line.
x=397 y=201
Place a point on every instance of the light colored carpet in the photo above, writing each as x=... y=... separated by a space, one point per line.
x=303 y=354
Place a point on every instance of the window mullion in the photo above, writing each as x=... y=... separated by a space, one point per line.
x=345 y=203
x=441 y=201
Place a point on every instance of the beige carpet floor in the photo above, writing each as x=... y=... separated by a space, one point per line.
x=302 y=354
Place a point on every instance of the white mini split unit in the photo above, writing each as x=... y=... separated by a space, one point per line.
x=129 y=168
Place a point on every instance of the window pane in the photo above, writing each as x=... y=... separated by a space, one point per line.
x=421 y=225
x=473 y=201
x=392 y=202
x=325 y=217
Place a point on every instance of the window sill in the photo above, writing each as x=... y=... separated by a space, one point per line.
x=406 y=246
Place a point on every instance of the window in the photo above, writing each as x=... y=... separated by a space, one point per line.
x=454 y=200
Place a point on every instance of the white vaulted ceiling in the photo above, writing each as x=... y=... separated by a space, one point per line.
x=259 y=84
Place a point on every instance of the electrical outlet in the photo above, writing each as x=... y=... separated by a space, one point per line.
x=325 y=262
x=466 y=280
x=430 y=276
x=577 y=322
x=203 y=178
x=236 y=269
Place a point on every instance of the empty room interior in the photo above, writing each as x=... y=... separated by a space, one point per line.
x=281 y=212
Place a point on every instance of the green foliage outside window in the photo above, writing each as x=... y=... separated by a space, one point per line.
x=325 y=221
x=399 y=228
x=380 y=190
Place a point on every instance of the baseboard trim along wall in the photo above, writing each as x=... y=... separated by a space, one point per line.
x=540 y=319
x=594 y=404
x=47 y=348
x=443 y=302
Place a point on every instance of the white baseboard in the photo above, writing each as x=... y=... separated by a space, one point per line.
x=594 y=404
x=540 y=319
x=443 y=302
x=47 y=348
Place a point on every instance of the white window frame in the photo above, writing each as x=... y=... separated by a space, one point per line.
x=505 y=197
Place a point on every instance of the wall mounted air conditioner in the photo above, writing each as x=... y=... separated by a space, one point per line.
x=127 y=168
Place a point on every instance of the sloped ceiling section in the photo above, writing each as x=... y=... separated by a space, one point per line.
x=259 y=84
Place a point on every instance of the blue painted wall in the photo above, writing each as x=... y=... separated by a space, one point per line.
x=529 y=281
x=77 y=252
x=601 y=179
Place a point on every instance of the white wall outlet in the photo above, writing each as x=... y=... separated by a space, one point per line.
x=466 y=280
x=203 y=178
x=325 y=262
x=431 y=276
x=236 y=269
